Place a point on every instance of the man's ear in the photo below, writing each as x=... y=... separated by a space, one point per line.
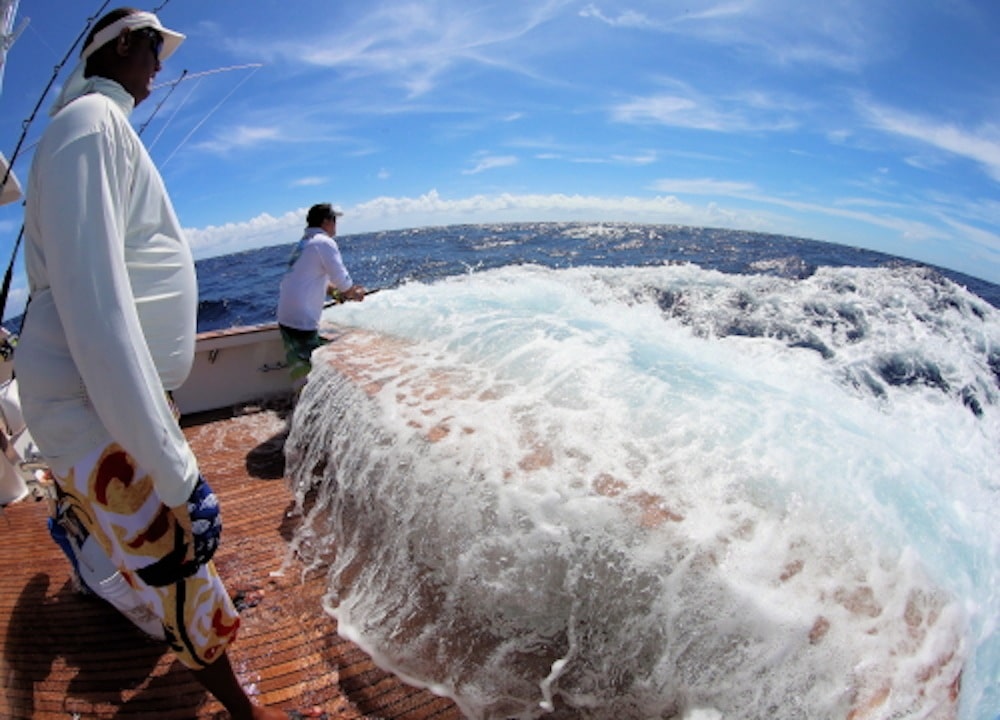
x=123 y=42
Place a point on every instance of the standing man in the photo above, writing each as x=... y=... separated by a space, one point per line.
x=315 y=269
x=109 y=333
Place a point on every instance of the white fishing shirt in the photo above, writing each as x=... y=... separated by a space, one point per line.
x=112 y=319
x=315 y=264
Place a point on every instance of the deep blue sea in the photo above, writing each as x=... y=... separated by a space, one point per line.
x=242 y=288
x=607 y=470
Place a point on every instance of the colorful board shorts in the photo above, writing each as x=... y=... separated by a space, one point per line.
x=299 y=346
x=108 y=496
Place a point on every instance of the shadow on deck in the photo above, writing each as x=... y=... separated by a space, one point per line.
x=64 y=655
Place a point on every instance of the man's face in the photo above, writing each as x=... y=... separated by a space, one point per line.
x=139 y=61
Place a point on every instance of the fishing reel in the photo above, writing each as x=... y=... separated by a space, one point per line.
x=7 y=344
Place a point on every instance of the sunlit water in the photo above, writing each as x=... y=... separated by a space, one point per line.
x=665 y=491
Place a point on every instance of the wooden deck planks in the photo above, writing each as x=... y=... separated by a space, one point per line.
x=64 y=655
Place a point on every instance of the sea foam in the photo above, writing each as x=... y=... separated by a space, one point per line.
x=662 y=492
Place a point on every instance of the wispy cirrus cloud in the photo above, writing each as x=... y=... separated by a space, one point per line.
x=843 y=36
x=704 y=186
x=414 y=44
x=624 y=19
x=310 y=181
x=690 y=110
x=646 y=158
x=905 y=226
x=240 y=137
x=490 y=162
x=981 y=145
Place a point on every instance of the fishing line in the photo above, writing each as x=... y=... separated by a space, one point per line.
x=210 y=113
x=179 y=107
x=191 y=76
x=173 y=86
x=203 y=73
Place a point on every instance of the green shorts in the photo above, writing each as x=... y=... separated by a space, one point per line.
x=299 y=346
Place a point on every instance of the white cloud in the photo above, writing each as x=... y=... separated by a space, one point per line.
x=414 y=45
x=904 y=227
x=257 y=232
x=491 y=162
x=627 y=19
x=310 y=181
x=843 y=36
x=240 y=137
x=982 y=211
x=587 y=206
x=646 y=158
x=981 y=145
x=746 y=114
x=431 y=209
x=704 y=186
x=988 y=241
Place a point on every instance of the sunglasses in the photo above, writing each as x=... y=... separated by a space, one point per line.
x=155 y=40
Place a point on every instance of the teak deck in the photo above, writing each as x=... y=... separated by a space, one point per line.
x=65 y=656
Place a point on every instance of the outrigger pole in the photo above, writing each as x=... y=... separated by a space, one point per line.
x=173 y=86
x=24 y=134
x=5 y=290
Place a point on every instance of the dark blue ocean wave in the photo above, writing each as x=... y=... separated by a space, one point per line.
x=242 y=288
x=880 y=330
x=247 y=282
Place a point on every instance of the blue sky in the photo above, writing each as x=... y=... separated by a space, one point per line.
x=873 y=123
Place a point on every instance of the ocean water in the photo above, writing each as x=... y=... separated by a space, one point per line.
x=592 y=471
x=241 y=288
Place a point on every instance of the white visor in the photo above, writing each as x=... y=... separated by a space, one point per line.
x=135 y=21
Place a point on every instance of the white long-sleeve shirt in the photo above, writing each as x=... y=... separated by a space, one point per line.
x=315 y=265
x=112 y=318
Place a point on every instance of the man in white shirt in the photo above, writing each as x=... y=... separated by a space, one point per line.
x=315 y=270
x=109 y=331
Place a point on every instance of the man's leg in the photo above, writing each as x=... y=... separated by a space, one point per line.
x=118 y=500
x=299 y=345
x=220 y=680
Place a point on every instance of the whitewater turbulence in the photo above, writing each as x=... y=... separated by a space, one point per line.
x=662 y=492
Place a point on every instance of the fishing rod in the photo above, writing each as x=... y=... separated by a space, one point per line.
x=173 y=86
x=52 y=79
x=214 y=71
x=341 y=301
x=24 y=134
x=8 y=276
x=255 y=66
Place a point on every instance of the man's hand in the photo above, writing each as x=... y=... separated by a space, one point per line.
x=355 y=293
x=183 y=519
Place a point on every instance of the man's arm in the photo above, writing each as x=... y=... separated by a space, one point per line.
x=85 y=185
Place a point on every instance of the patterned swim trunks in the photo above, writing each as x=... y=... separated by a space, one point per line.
x=299 y=346
x=108 y=496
